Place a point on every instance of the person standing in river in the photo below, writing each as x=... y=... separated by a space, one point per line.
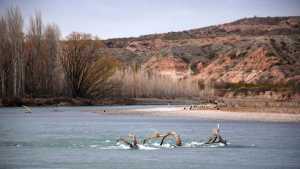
x=216 y=137
x=133 y=144
x=157 y=135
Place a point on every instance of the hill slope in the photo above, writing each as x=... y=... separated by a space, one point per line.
x=252 y=50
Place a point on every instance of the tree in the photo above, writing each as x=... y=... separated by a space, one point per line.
x=87 y=72
x=42 y=47
x=5 y=61
x=34 y=52
x=51 y=51
x=12 y=58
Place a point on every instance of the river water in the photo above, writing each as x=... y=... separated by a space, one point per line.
x=76 y=137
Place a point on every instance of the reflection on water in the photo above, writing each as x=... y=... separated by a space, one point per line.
x=76 y=137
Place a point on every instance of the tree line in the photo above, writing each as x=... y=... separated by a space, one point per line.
x=37 y=63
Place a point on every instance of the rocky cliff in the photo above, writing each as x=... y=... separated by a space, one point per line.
x=252 y=50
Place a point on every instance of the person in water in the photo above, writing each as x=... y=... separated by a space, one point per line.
x=216 y=137
x=132 y=142
x=157 y=135
x=173 y=134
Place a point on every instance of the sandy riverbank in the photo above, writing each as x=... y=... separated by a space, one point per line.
x=235 y=109
x=179 y=111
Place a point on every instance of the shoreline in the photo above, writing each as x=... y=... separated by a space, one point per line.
x=234 y=109
x=178 y=111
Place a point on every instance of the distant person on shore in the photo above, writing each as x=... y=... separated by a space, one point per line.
x=216 y=137
x=132 y=141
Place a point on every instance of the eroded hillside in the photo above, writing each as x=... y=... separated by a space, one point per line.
x=251 y=50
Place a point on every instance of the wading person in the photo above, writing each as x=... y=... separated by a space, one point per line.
x=216 y=137
x=132 y=141
x=173 y=134
x=157 y=135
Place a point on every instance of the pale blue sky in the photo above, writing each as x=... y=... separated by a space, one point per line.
x=124 y=18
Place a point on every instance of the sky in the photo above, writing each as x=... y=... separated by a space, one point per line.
x=127 y=18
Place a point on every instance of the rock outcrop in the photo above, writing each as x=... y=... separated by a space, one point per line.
x=252 y=50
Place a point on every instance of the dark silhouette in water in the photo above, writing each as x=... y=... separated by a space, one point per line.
x=157 y=135
x=216 y=137
x=174 y=135
x=133 y=144
x=132 y=141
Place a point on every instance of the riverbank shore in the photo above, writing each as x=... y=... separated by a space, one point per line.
x=229 y=109
x=68 y=101
x=64 y=101
x=180 y=111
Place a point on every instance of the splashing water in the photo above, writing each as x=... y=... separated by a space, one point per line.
x=156 y=145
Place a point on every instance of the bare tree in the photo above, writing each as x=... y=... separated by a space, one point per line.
x=51 y=41
x=4 y=58
x=30 y=65
x=86 y=71
x=35 y=67
x=12 y=67
x=97 y=80
x=42 y=47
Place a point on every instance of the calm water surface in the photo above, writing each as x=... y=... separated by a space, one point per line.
x=76 y=137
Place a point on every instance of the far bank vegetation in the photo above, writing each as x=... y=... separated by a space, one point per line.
x=143 y=83
x=37 y=62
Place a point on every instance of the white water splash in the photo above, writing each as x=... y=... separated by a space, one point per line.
x=116 y=147
x=126 y=147
x=168 y=145
x=194 y=144
x=165 y=145
x=156 y=146
x=143 y=147
x=93 y=146
x=18 y=145
x=215 y=145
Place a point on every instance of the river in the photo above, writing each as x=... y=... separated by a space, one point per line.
x=76 y=137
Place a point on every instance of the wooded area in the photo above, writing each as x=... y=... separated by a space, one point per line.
x=36 y=63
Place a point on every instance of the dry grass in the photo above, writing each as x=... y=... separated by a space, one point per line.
x=142 y=83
